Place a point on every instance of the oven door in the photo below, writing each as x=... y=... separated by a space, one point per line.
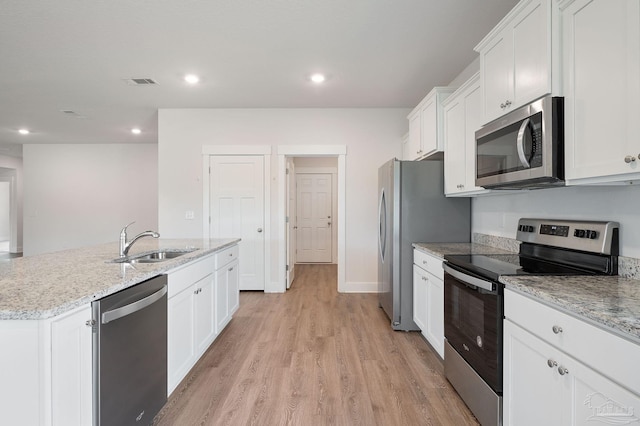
x=473 y=315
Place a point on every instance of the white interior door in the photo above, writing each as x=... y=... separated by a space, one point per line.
x=291 y=225
x=314 y=207
x=237 y=210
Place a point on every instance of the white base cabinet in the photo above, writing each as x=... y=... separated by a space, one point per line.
x=428 y=298
x=46 y=376
x=601 y=67
x=202 y=297
x=559 y=370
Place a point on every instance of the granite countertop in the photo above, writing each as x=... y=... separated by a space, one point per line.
x=609 y=302
x=43 y=286
x=441 y=249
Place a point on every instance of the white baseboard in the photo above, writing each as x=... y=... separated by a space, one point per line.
x=360 y=287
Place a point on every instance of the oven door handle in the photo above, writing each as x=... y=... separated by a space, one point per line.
x=468 y=280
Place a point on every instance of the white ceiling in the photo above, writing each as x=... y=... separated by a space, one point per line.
x=74 y=54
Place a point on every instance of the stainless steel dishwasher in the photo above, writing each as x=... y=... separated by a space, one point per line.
x=130 y=354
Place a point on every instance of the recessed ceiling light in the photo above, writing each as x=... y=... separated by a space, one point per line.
x=24 y=131
x=191 y=78
x=136 y=131
x=318 y=78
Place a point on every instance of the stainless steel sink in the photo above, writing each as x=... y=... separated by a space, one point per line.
x=154 y=256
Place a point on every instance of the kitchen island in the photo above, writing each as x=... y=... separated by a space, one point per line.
x=46 y=322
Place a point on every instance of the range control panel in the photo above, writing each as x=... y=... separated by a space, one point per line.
x=593 y=236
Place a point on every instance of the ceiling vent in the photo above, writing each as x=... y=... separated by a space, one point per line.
x=140 y=81
x=71 y=113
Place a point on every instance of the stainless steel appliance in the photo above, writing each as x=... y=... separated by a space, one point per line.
x=412 y=208
x=474 y=306
x=524 y=148
x=130 y=354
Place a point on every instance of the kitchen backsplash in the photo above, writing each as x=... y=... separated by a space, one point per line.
x=628 y=267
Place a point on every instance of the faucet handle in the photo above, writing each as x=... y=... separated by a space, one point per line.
x=124 y=230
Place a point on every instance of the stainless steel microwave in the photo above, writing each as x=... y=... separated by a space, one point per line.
x=524 y=148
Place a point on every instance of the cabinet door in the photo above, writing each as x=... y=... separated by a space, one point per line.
x=420 y=297
x=435 y=314
x=454 y=156
x=532 y=387
x=496 y=62
x=71 y=366
x=233 y=279
x=531 y=53
x=205 y=328
x=472 y=122
x=181 y=337
x=415 y=136
x=429 y=114
x=590 y=398
x=222 y=298
x=601 y=62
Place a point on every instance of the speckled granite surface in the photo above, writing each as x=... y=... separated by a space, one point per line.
x=606 y=301
x=612 y=303
x=47 y=285
x=440 y=249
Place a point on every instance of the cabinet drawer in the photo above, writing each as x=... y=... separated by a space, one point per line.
x=226 y=256
x=429 y=263
x=180 y=279
x=605 y=352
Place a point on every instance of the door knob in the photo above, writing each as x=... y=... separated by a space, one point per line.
x=259 y=229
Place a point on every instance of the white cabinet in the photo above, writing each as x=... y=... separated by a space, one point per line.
x=71 y=368
x=425 y=125
x=202 y=297
x=601 y=66
x=46 y=370
x=517 y=58
x=428 y=298
x=559 y=370
x=462 y=117
x=406 y=151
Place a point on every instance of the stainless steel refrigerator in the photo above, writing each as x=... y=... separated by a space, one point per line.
x=412 y=209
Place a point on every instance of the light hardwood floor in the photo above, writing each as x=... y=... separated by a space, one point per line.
x=313 y=356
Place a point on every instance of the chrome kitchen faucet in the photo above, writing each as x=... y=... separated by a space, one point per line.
x=125 y=246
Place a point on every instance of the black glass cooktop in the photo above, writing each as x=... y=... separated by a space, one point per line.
x=493 y=266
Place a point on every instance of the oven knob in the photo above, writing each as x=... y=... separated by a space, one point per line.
x=579 y=233
x=531 y=228
x=479 y=341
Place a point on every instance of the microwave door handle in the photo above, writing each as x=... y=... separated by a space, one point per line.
x=468 y=280
x=520 y=144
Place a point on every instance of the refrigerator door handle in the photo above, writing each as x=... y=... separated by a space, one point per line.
x=382 y=220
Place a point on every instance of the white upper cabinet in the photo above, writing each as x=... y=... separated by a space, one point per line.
x=425 y=125
x=517 y=63
x=601 y=68
x=462 y=117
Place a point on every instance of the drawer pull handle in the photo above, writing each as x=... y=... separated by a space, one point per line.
x=563 y=370
x=551 y=363
x=230 y=269
x=423 y=278
x=424 y=262
x=556 y=329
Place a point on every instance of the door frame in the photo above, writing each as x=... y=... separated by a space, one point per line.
x=284 y=151
x=239 y=150
x=10 y=175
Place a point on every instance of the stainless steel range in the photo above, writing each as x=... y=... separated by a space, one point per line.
x=474 y=307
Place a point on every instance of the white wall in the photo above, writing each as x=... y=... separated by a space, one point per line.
x=80 y=195
x=4 y=211
x=12 y=171
x=372 y=136
x=499 y=214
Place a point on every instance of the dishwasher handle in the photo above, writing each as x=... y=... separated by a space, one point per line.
x=123 y=311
